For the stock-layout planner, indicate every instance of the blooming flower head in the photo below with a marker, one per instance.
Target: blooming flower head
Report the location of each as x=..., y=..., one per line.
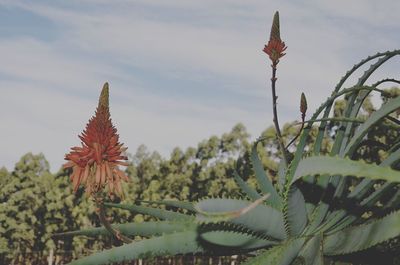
x=275, y=47
x=95, y=163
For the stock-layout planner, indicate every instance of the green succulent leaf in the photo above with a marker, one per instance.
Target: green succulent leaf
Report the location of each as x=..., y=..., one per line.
x=261, y=219
x=318, y=215
x=385, y=57
x=354, y=104
x=394, y=202
x=236, y=239
x=167, y=245
x=265, y=184
x=282, y=254
x=250, y=192
x=327, y=106
x=364, y=236
x=312, y=251
x=282, y=168
x=361, y=190
x=321, y=165
x=296, y=212
x=135, y=229
x=392, y=158
x=228, y=215
x=155, y=212
x=375, y=117
x=177, y=204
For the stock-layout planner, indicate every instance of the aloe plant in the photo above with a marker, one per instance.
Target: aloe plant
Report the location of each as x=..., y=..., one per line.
x=277, y=224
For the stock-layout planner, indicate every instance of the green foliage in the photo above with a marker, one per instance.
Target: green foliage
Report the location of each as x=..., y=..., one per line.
x=23, y=205
x=35, y=204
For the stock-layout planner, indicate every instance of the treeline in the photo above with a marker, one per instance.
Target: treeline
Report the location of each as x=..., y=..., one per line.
x=35, y=204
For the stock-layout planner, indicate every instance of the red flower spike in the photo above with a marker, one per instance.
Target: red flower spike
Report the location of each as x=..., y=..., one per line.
x=95, y=164
x=275, y=47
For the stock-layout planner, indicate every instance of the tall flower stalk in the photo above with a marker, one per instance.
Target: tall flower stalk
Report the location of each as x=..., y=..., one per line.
x=275, y=49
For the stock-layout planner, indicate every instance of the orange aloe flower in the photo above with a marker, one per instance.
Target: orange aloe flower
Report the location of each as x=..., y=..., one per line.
x=275, y=47
x=95, y=164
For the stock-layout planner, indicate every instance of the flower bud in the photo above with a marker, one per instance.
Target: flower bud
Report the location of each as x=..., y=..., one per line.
x=303, y=104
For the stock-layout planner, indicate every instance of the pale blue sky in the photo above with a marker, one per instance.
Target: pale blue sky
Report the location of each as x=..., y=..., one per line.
x=179, y=71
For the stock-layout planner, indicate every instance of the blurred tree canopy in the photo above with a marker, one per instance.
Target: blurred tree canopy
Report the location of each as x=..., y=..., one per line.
x=35, y=204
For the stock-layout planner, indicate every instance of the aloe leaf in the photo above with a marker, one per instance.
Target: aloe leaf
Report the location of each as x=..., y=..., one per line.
x=262, y=219
x=377, y=194
x=134, y=229
x=363, y=187
x=348, y=219
x=311, y=253
x=167, y=245
x=355, y=101
x=358, y=193
x=236, y=240
x=332, y=220
x=320, y=212
x=282, y=169
x=361, y=63
x=250, y=192
x=392, y=158
x=394, y=201
x=364, y=236
x=296, y=212
x=327, y=106
x=282, y=254
x=343, y=167
x=390, y=106
x=265, y=184
x=177, y=204
x=387, y=55
x=386, y=80
x=321, y=165
x=337, y=119
x=317, y=217
x=353, y=106
x=228, y=215
x=155, y=212
x=395, y=147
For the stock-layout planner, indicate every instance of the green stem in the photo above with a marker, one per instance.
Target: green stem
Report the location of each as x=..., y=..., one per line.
x=275, y=113
x=303, y=116
x=104, y=221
